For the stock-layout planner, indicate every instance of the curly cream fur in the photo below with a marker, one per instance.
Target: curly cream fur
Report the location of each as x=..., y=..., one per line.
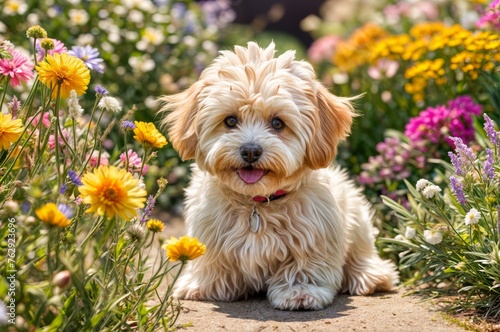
x=312, y=243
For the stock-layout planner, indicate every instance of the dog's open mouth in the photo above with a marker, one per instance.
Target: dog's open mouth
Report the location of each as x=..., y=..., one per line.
x=251, y=175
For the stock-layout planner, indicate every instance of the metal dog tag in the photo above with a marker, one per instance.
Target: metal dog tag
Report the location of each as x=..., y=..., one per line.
x=254, y=220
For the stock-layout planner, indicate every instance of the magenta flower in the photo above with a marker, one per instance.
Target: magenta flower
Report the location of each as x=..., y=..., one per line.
x=491, y=18
x=18, y=69
x=436, y=124
x=52, y=139
x=58, y=48
x=95, y=160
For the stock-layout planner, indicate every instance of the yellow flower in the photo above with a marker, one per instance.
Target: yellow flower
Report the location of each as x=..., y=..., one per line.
x=50, y=214
x=155, y=225
x=112, y=191
x=65, y=70
x=10, y=130
x=148, y=135
x=184, y=249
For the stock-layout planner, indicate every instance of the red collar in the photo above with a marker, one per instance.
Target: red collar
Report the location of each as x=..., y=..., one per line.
x=275, y=196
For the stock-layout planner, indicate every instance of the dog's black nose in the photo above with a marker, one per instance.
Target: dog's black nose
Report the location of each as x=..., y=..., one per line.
x=250, y=152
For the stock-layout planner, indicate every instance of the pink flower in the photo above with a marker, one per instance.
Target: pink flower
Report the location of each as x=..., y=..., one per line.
x=134, y=162
x=323, y=48
x=52, y=140
x=94, y=159
x=36, y=119
x=491, y=17
x=58, y=48
x=385, y=69
x=18, y=69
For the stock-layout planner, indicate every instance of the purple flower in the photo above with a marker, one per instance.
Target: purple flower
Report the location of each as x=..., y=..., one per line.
x=465, y=153
x=90, y=57
x=455, y=160
x=488, y=165
x=63, y=188
x=489, y=127
x=128, y=125
x=150, y=204
x=66, y=210
x=458, y=190
x=74, y=178
x=58, y=48
x=100, y=90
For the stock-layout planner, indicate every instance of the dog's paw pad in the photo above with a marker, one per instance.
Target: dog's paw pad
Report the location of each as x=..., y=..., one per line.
x=301, y=298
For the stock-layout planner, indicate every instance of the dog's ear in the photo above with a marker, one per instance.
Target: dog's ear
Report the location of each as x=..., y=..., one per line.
x=179, y=116
x=333, y=124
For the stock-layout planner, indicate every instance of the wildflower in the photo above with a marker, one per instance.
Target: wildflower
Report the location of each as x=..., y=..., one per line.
x=491, y=17
x=64, y=71
x=433, y=236
x=148, y=135
x=472, y=217
x=488, y=165
x=14, y=105
x=74, y=108
x=50, y=214
x=110, y=104
x=455, y=161
x=18, y=69
x=35, y=119
x=128, y=125
x=183, y=249
x=430, y=191
x=95, y=160
x=74, y=177
x=51, y=143
x=466, y=155
x=421, y=184
x=410, y=232
x=112, y=191
x=134, y=162
x=136, y=232
x=100, y=91
x=36, y=31
x=63, y=188
x=47, y=44
x=49, y=47
x=78, y=16
x=155, y=225
x=489, y=127
x=384, y=69
x=458, y=190
x=150, y=204
x=323, y=48
x=10, y=130
x=90, y=56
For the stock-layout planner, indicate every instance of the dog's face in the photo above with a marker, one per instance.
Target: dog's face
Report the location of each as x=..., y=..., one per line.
x=257, y=122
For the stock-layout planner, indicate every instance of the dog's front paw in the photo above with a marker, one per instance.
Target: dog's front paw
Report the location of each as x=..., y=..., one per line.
x=188, y=293
x=300, y=297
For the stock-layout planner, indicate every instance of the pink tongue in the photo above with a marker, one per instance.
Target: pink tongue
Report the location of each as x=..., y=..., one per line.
x=250, y=175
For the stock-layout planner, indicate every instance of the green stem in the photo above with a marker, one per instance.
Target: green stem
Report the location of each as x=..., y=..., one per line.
x=56, y=135
x=88, y=127
x=7, y=80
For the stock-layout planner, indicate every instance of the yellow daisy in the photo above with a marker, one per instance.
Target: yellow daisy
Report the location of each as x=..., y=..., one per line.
x=65, y=70
x=10, y=130
x=112, y=191
x=155, y=225
x=148, y=135
x=50, y=214
x=184, y=249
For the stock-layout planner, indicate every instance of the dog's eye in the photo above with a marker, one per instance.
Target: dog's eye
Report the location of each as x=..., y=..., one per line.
x=231, y=121
x=277, y=124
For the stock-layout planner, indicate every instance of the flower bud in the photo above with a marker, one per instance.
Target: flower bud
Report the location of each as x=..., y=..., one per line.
x=47, y=44
x=62, y=279
x=36, y=31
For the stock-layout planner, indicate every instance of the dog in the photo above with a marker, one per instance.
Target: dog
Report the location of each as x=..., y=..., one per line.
x=274, y=215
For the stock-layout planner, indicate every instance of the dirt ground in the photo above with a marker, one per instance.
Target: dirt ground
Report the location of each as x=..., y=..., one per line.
x=379, y=312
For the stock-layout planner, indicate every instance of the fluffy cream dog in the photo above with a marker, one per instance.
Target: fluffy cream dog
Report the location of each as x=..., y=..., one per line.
x=273, y=215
